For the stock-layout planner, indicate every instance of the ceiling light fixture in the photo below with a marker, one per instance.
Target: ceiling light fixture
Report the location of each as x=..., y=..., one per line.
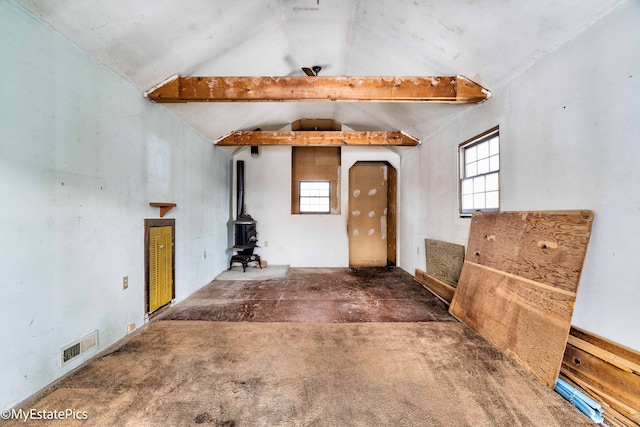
x=313, y=71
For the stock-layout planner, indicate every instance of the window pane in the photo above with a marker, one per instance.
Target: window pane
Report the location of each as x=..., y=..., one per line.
x=491, y=182
x=492, y=200
x=470, y=154
x=471, y=170
x=494, y=146
x=478, y=184
x=467, y=186
x=467, y=202
x=494, y=163
x=483, y=166
x=483, y=150
x=478, y=201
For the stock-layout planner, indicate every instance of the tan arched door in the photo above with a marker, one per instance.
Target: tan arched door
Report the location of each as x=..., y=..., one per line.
x=372, y=214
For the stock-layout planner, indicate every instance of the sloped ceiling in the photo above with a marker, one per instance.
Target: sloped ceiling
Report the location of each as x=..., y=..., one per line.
x=490, y=42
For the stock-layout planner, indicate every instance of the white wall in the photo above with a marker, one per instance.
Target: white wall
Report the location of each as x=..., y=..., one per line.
x=82, y=154
x=299, y=240
x=570, y=139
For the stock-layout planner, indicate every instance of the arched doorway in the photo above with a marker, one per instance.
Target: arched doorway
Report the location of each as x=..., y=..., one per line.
x=372, y=214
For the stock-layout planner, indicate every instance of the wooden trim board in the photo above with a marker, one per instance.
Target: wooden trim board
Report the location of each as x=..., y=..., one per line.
x=613, y=408
x=442, y=290
x=608, y=371
x=518, y=283
x=608, y=345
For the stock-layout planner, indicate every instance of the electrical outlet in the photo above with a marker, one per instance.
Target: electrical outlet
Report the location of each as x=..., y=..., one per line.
x=125, y=282
x=131, y=327
x=266, y=243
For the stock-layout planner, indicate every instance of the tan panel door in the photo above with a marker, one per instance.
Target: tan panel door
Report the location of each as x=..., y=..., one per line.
x=392, y=200
x=160, y=267
x=367, y=223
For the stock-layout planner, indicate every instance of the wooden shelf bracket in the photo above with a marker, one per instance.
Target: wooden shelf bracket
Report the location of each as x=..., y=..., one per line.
x=164, y=207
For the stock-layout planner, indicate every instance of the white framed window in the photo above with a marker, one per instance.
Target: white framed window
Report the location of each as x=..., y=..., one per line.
x=480, y=173
x=311, y=165
x=315, y=196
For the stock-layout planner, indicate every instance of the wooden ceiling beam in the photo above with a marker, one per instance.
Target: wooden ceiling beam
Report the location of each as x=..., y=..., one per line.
x=317, y=138
x=455, y=90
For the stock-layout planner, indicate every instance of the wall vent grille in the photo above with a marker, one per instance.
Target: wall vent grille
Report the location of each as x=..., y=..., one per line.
x=75, y=349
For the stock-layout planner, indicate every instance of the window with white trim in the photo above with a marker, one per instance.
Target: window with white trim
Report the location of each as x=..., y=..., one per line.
x=480, y=173
x=319, y=167
x=315, y=196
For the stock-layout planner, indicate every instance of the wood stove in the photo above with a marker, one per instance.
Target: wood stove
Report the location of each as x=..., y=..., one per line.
x=244, y=228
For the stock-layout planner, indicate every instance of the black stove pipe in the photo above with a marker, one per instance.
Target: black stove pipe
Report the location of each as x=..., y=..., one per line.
x=240, y=188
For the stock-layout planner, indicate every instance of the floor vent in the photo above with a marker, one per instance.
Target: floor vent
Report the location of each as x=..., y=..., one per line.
x=75, y=349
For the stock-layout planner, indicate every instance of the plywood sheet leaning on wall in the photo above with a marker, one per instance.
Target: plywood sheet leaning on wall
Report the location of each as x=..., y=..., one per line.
x=444, y=260
x=444, y=263
x=519, y=281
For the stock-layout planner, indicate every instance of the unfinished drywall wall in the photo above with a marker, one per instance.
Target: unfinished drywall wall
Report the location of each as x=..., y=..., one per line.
x=569, y=137
x=81, y=156
x=303, y=240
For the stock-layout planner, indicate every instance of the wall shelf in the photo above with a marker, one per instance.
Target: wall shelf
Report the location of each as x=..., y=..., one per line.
x=164, y=207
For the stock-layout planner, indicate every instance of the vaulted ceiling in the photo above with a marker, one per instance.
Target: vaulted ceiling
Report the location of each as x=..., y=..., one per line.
x=490, y=42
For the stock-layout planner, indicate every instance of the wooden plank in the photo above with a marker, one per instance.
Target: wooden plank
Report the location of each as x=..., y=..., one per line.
x=318, y=138
x=439, y=288
x=605, y=344
x=449, y=89
x=607, y=356
x=466, y=89
x=616, y=419
x=608, y=371
x=601, y=375
x=530, y=324
x=444, y=261
x=167, y=89
x=547, y=247
x=518, y=283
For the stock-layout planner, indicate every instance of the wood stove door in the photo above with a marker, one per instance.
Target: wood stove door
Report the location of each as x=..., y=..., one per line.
x=368, y=208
